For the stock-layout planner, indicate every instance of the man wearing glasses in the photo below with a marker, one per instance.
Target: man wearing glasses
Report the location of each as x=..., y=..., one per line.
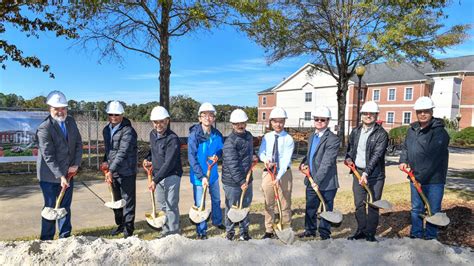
x=323, y=146
x=120, y=140
x=205, y=142
x=425, y=151
x=276, y=149
x=366, y=149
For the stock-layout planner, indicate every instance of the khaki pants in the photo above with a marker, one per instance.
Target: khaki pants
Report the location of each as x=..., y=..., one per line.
x=285, y=188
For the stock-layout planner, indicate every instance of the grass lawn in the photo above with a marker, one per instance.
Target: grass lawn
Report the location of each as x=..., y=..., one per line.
x=395, y=223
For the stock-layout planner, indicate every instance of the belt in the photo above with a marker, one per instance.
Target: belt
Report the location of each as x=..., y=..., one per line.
x=265, y=169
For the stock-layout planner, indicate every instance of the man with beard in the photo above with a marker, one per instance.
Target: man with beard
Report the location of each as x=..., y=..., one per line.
x=60, y=153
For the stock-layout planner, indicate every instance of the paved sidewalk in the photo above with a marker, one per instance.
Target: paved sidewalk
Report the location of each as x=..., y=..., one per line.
x=21, y=206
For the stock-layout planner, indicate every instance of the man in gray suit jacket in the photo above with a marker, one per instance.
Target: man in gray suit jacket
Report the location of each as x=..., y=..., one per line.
x=323, y=146
x=60, y=153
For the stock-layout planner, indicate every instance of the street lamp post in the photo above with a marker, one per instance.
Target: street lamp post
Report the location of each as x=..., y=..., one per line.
x=458, y=118
x=360, y=70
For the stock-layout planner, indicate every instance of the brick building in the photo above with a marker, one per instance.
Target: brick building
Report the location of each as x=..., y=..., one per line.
x=395, y=87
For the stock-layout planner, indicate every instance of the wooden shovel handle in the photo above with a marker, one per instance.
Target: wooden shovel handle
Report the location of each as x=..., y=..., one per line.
x=247, y=179
x=63, y=190
x=417, y=185
x=315, y=186
x=357, y=175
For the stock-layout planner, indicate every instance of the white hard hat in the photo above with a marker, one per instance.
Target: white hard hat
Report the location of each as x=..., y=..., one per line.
x=370, y=107
x=56, y=99
x=424, y=103
x=322, y=111
x=278, y=112
x=115, y=107
x=238, y=116
x=206, y=107
x=159, y=113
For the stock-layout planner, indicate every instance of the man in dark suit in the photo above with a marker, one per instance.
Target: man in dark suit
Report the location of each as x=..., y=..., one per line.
x=323, y=146
x=60, y=153
x=120, y=158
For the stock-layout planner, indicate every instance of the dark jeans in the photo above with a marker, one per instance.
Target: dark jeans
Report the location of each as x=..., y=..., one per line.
x=124, y=187
x=367, y=217
x=232, y=197
x=312, y=204
x=50, y=193
x=434, y=193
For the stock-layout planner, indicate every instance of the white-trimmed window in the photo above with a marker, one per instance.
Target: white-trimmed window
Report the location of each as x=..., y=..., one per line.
x=408, y=94
x=392, y=92
x=307, y=116
x=376, y=95
x=308, y=97
x=264, y=100
x=390, y=117
x=264, y=116
x=406, y=118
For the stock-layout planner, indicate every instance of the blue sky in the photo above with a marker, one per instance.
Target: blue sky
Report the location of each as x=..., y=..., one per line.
x=222, y=67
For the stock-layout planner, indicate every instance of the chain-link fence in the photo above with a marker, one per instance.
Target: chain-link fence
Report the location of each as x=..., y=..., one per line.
x=93, y=143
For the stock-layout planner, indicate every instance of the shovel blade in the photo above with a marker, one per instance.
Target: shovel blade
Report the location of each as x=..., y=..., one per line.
x=333, y=217
x=198, y=216
x=53, y=214
x=236, y=215
x=286, y=235
x=156, y=222
x=115, y=205
x=382, y=204
x=440, y=219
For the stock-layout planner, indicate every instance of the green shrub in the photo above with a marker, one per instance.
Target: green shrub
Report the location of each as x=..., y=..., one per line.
x=465, y=136
x=398, y=134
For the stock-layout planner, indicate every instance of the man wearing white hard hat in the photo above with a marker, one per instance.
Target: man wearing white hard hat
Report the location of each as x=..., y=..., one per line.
x=120, y=140
x=366, y=150
x=323, y=146
x=60, y=153
x=205, y=143
x=165, y=156
x=425, y=152
x=237, y=156
x=276, y=149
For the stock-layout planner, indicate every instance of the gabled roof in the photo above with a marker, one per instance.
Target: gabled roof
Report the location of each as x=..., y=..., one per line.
x=391, y=73
x=266, y=91
x=453, y=64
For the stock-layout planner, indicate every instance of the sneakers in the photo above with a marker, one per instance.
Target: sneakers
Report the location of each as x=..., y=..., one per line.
x=245, y=236
x=358, y=235
x=267, y=235
x=230, y=236
x=117, y=231
x=306, y=234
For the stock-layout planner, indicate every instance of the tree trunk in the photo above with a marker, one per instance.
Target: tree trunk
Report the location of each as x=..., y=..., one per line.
x=165, y=58
x=341, y=109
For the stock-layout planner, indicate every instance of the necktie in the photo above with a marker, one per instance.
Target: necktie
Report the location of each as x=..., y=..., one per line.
x=314, y=147
x=275, y=155
x=63, y=129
